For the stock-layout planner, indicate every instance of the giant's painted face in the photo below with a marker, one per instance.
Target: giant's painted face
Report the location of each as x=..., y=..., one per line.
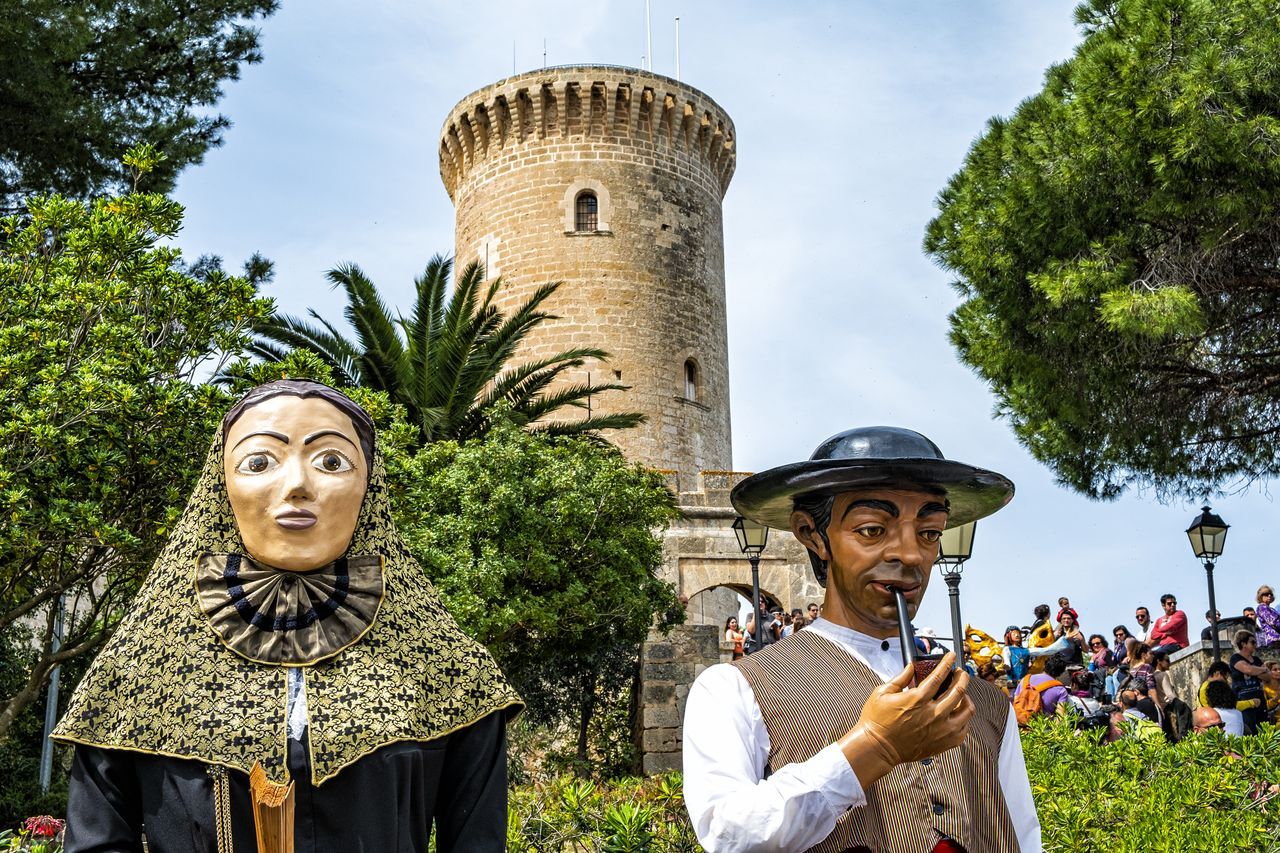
x=878, y=538
x=296, y=477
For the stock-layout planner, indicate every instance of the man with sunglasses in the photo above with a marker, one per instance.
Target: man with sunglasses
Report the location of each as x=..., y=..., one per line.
x=1170, y=631
x=1204, y=719
x=1143, y=617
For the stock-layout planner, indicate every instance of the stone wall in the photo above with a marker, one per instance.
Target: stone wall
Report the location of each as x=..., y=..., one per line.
x=647, y=284
x=1187, y=666
x=669, y=666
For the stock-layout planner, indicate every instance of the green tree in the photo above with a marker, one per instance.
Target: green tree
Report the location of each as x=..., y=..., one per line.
x=1116, y=243
x=545, y=549
x=447, y=363
x=80, y=83
x=102, y=431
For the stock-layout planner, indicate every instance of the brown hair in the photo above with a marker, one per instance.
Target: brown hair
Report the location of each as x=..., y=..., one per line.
x=1261, y=590
x=305, y=388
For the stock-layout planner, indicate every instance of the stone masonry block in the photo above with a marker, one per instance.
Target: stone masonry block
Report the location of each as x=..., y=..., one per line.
x=659, y=651
x=660, y=740
x=661, y=762
x=658, y=693
x=656, y=717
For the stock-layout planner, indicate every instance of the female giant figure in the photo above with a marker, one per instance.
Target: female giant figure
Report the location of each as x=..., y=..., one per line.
x=286, y=625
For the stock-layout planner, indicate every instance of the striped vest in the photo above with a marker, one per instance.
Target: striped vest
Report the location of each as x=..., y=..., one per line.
x=810, y=693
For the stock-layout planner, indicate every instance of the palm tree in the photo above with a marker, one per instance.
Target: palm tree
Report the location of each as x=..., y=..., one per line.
x=447, y=363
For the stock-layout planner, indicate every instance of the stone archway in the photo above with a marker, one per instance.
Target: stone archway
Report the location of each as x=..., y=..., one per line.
x=713, y=605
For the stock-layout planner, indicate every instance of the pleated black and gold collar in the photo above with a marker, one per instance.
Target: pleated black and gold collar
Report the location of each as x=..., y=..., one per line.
x=273, y=616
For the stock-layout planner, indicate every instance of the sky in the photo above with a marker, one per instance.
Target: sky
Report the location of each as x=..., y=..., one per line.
x=850, y=118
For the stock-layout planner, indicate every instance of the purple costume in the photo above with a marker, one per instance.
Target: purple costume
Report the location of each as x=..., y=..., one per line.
x=1268, y=625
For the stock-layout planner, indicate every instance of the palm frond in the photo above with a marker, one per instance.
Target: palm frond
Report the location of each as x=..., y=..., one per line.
x=330, y=346
x=593, y=424
x=382, y=360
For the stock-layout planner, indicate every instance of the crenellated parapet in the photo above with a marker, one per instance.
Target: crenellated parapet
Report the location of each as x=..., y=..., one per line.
x=649, y=114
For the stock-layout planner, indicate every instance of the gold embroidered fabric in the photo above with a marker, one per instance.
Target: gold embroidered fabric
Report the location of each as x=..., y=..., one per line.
x=293, y=618
x=168, y=684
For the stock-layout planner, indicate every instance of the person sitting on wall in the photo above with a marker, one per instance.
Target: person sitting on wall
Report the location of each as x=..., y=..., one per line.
x=819, y=742
x=1169, y=633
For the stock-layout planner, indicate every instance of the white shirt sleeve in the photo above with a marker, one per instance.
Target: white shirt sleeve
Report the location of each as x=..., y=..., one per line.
x=732, y=806
x=1016, y=788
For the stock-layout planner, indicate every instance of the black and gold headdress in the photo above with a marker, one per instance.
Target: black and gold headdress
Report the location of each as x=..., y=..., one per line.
x=188, y=674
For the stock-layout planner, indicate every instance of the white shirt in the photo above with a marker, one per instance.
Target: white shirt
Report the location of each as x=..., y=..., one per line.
x=1233, y=719
x=726, y=748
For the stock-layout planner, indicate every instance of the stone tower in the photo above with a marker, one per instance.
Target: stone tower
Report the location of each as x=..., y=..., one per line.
x=609, y=179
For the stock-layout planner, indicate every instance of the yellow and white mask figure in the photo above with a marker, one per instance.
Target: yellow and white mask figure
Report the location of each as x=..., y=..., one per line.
x=296, y=477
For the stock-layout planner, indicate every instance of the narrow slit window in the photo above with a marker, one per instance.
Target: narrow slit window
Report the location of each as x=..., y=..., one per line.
x=691, y=381
x=587, y=212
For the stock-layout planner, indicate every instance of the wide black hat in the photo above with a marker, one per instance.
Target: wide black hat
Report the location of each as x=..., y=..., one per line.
x=872, y=458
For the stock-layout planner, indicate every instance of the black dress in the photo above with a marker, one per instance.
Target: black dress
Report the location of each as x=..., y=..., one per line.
x=386, y=801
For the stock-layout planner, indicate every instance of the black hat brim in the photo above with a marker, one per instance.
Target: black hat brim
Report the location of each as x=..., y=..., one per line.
x=769, y=497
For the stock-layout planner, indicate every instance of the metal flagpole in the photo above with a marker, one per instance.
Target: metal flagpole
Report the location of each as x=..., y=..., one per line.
x=677, y=48
x=648, y=36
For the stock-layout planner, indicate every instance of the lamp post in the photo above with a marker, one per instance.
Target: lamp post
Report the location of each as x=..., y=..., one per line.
x=955, y=547
x=752, y=537
x=1208, y=535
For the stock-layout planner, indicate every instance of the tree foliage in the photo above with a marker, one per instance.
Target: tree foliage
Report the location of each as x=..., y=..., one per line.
x=80, y=83
x=102, y=431
x=1116, y=242
x=447, y=363
x=545, y=549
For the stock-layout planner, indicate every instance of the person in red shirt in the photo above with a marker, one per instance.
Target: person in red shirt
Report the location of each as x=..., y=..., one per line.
x=1169, y=633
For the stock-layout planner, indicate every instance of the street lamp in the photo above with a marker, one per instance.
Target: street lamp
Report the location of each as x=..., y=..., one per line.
x=1208, y=535
x=752, y=537
x=955, y=547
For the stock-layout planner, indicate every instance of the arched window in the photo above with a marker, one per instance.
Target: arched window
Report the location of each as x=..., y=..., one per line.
x=586, y=212
x=691, y=381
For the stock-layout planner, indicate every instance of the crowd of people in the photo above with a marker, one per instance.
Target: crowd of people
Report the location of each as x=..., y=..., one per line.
x=1051, y=667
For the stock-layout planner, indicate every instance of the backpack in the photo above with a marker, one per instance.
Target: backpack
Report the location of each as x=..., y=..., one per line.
x=1027, y=703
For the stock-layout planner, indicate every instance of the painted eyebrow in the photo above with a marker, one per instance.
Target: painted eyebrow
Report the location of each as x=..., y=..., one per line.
x=267, y=432
x=930, y=509
x=324, y=432
x=883, y=506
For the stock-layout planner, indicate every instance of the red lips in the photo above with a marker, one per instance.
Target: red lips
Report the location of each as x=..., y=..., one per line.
x=296, y=519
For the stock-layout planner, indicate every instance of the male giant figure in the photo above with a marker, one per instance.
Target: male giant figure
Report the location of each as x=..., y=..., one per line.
x=819, y=741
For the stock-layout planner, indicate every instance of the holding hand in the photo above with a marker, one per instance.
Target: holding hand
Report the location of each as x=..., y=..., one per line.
x=898, y=724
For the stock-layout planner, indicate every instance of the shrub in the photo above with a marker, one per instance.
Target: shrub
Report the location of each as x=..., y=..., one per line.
x=1207, y=793
x=626, y=816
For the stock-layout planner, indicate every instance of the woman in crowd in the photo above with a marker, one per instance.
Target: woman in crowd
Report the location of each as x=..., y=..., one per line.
x=1141, y=662
x=1272, y=690
x=1267, y=618
x=1120, y=652
x=1101, y=659
x=733, y=635
x=1247, y=675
